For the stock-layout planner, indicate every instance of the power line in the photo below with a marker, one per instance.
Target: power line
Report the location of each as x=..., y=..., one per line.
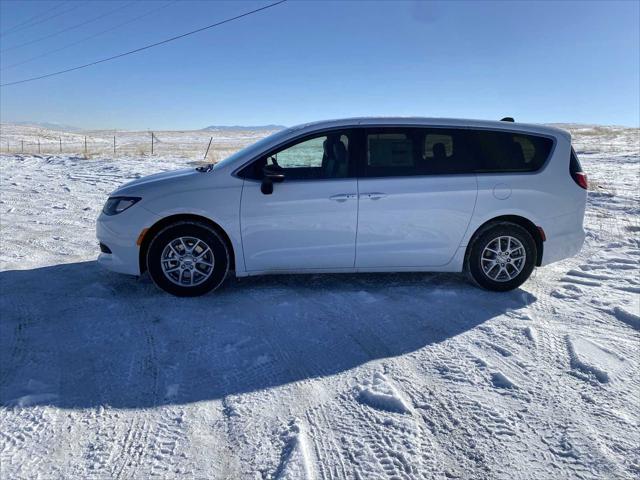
x=73, y=27
x=64, y=47
x=33, y=24
x=146, y=47
x=31, y=19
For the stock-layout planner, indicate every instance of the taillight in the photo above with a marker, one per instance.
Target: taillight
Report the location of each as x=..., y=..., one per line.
x=581, y=179
x=575, y=169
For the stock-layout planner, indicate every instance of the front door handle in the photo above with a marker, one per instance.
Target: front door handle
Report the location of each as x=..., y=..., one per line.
x=342, y=197
x=373, y=195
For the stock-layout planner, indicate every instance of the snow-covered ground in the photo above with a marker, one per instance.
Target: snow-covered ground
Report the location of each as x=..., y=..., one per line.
x=402, y=376
x=191, y=144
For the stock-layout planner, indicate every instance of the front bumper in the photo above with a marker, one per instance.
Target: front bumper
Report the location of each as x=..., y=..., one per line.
x=120, y=233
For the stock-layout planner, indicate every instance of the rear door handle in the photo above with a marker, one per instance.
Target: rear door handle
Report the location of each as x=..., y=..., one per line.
x=342, y=197
x=373, y=195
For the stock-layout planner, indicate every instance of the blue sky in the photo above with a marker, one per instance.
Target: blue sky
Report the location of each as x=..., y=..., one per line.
x=308, y=60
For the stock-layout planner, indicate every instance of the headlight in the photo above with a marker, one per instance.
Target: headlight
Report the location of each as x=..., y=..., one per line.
x=116, y=205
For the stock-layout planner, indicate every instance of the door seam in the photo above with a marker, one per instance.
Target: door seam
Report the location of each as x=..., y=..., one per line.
x=244, y=260
x=355, y=246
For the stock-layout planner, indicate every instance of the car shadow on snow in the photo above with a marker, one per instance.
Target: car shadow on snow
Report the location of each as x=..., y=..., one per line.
x=76, y=336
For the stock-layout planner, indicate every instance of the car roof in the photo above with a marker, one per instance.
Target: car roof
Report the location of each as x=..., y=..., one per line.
x=432, y=122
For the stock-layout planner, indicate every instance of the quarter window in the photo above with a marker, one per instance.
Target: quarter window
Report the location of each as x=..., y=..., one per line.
x=504, y=152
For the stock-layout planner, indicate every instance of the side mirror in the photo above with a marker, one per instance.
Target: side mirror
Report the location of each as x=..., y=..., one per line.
x=271, y=175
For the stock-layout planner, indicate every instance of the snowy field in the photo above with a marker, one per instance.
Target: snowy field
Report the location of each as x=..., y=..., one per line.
x=192, y=144
x=405, y=376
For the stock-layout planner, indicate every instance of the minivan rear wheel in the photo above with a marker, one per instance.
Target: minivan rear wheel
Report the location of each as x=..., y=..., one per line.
x=502, y=257
x=187, y=259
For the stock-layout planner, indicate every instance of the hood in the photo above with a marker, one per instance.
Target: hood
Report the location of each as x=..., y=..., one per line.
x=140, y=185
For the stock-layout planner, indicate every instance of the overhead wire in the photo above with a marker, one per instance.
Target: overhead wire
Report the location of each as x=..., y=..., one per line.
x=90, y=37
x=67, y=29
x=146, y=47
x=31, y=19
x=51, y=17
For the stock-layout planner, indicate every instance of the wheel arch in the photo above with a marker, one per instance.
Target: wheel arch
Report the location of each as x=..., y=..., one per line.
x=166, y=221
x=525, y=223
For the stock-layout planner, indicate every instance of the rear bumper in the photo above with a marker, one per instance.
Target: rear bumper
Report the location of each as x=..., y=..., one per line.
x=565, y=236
x=559, y=247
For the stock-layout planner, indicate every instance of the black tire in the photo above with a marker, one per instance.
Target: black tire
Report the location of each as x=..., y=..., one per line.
x=485, y=237
x=194, y=230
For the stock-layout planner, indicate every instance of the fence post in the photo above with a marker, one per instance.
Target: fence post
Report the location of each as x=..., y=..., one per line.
x=114, y=145
x=85, y=146
x=60, y=144
x=151, y=143
x=38, y=146
x=208, y=146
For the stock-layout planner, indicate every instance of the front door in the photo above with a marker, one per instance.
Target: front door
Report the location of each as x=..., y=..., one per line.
x=309, y=220
x=417, y=194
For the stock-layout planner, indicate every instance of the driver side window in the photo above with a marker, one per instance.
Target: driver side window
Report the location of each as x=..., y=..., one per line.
x=325, y=156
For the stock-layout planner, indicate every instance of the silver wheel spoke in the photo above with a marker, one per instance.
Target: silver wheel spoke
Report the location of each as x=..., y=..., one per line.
x=207, y=250
x=174, y=251
x=494, y=255
x=183, y=266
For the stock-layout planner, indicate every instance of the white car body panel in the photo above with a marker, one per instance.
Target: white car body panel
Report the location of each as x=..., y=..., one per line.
x=299, y=226
x=421, y=223
x=413, y=221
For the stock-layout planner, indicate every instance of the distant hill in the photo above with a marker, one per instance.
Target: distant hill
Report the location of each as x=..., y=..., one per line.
x=222, y=128
x=50, y=126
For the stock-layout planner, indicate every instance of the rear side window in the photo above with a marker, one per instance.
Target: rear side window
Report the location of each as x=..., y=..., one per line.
x=446, y=152
x=503, y=152
x=414, y=151
x=390, y=154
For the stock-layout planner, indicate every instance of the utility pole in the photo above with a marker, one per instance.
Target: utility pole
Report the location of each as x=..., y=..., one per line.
x=38, y=146
x=85, y=146
x=114, y=145
x=207, y=152
x=60, y=144
x=151, y=143
x=22, y=146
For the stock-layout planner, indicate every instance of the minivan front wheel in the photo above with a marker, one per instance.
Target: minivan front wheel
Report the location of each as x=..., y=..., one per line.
x=187, y=259
x=502, y=257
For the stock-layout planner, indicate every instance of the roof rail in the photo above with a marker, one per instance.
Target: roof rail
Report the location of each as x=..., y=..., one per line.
x=507, y=119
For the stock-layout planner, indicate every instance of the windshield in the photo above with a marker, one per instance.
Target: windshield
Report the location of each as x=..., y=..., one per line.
x=254, y=148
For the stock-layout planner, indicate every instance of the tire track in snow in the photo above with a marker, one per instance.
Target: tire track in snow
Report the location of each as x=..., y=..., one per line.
x=330, y=462
x=26, y=440
x=18, y=351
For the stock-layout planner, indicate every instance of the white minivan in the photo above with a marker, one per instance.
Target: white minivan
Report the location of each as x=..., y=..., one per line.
x=494, y=199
